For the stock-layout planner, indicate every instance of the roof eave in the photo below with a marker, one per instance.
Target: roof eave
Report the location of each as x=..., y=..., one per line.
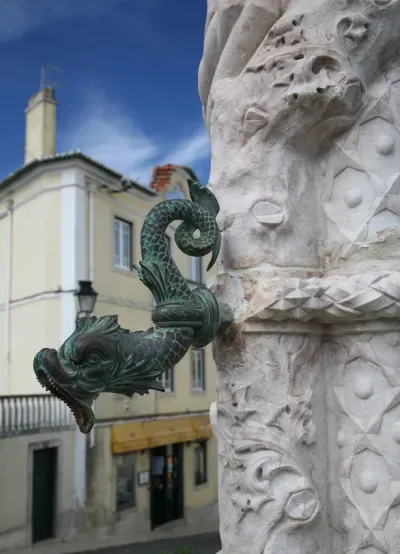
x=10, y=179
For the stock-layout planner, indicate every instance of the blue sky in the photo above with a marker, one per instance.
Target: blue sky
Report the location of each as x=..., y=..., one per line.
x=130, y=98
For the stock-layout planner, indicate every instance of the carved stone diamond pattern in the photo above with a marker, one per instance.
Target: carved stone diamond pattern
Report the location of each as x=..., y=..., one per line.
x=364, y=297
x=369, y=165
x=368, y=398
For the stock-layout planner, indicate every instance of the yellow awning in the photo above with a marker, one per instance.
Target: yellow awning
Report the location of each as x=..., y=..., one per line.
x=168, y=431
x=129, y=437
x=202, y=427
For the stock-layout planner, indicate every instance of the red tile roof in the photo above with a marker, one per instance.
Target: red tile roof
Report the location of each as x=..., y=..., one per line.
x=162, y=174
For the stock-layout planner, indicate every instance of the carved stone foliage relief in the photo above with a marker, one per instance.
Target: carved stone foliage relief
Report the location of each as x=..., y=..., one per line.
x=263, y=422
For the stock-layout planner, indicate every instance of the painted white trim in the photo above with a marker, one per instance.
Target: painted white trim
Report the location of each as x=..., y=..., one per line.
x=92, y=190
x=112, y=201
x=123, y=223
x=38, y=194
x=26, y=180
x=73, y=268
x=5, y=381
x=72, y=207
x=60, y=165
x=21, y=183
x=194, y=263
x=102, y=178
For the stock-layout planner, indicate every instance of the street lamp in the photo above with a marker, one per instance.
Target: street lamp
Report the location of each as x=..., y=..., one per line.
x=86, y=298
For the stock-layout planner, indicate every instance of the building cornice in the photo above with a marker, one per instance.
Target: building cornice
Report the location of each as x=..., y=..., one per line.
x=60, y=162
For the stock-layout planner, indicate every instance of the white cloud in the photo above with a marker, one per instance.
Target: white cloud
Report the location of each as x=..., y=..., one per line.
x=20, y=16
x=106, y=132
x=191, y=150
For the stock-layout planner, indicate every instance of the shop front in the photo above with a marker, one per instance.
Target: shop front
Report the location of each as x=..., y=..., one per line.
x=162, y=443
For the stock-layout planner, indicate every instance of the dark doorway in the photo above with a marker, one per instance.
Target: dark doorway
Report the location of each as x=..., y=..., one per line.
x=44, y=494
x=166, y=484
x=178, y=481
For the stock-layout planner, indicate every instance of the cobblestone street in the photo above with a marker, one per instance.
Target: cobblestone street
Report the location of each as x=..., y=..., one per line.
x=203, y=544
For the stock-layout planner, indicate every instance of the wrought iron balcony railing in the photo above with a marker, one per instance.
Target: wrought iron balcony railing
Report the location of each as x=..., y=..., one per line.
x=32, y=413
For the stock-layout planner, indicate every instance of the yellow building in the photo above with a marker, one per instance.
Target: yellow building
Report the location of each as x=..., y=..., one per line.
x=150, y=459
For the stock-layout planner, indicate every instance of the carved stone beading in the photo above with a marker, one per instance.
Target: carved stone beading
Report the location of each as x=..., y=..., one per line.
x=362, y=297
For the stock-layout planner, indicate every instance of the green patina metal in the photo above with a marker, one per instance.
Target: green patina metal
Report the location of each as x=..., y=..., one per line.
x=100, y=356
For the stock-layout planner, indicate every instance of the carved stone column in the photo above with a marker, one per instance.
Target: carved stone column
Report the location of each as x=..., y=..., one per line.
x=302, y=103
x=267, y=440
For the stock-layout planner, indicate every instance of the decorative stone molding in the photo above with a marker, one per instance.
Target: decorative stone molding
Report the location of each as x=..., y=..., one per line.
x=329, y=300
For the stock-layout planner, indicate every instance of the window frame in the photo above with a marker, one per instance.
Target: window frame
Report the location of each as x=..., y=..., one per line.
x=196, y=270
x=197, y=355
x=119, y=264
x=171, y=379
x=168, y=240
x=126, y=462
x=200, y=449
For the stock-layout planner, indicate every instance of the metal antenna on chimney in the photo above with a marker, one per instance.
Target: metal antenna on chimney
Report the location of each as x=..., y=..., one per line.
x=45, y=81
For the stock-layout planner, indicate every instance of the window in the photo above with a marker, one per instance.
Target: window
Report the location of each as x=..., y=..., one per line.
x=198, y=370
x=167, y=380
x=196, y=270
x=168, y=241
x=200, y=463
x=122, y=243
x=126, y=494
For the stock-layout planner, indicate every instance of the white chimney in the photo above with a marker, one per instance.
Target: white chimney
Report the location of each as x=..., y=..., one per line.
x=41, y=126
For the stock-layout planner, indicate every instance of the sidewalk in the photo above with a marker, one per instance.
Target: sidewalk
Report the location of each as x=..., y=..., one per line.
x=170, y=534
x=200, y=544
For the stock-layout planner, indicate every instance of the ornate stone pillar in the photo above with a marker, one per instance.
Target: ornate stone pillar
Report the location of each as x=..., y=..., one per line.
x=363, y=396
x=267, y=439
x=302, y=103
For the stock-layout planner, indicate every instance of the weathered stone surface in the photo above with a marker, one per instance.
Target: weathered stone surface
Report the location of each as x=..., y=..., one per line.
x=302, y=110
x=301, y=99
x=262, y=420
x=363, y=395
